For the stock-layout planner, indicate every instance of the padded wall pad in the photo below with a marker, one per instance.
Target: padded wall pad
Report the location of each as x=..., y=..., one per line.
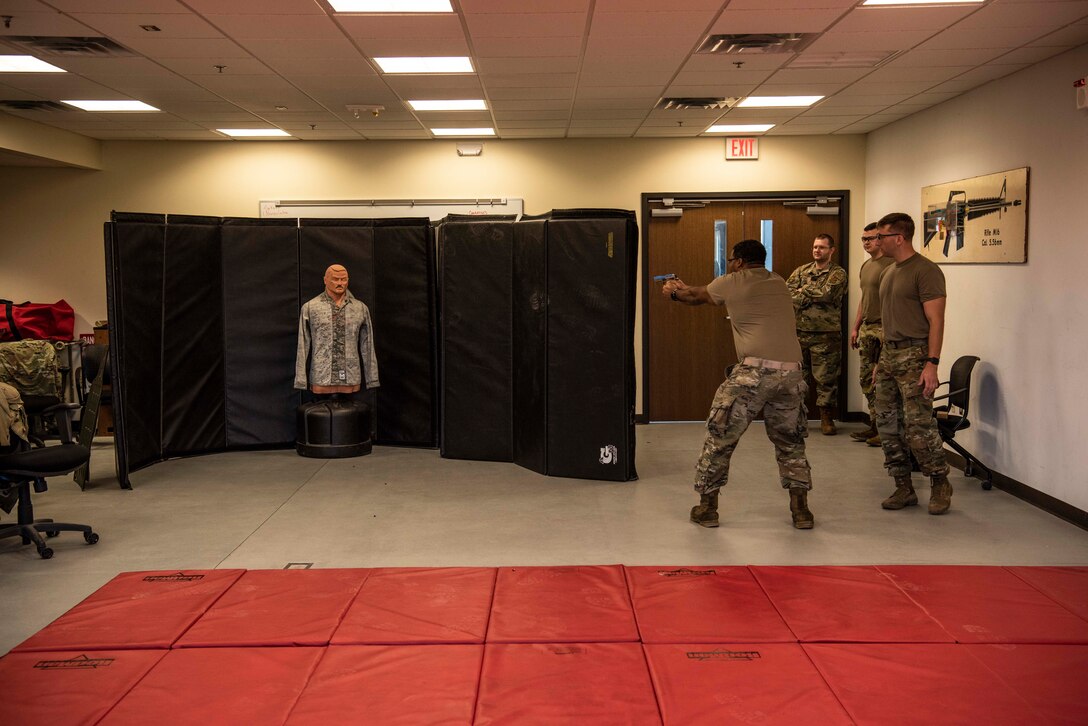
x=846, y=604
x=193, y=413
x=1049, y=677
x=530, y=332
x=406, y=332
x=260, y=316
x=911, y=683
x=420, y=605
x=136, y=277
x=740, y=684
x=979, y=604
x=219, y=686
x=475, y=287
x=347, y=242
x=703, y=605
x=590, y=347
x=575, y=683
x=1066, y=585
x=561, y=605
x=135, y=610
x=405, y=684
x=277, y=607
x=69, y=688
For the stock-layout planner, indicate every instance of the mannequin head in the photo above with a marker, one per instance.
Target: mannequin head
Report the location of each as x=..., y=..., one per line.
x=336, y=282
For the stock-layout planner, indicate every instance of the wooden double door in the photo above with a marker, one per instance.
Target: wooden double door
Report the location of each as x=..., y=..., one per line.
x=689, y=348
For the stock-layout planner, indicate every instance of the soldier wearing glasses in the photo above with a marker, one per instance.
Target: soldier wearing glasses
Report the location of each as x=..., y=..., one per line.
x=867, y=334
x=912, y=304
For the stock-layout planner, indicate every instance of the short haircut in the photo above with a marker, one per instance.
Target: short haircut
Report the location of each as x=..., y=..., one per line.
x=900, y=222
x=827, y=238
x=871, y=226
x=750, y=251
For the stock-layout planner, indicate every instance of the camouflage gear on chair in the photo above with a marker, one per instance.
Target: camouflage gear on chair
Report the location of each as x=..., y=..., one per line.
x=898, y=395
x=30, y=366
x=870, y=340
x=821, y=357
x=817, y=297
x=12, y=416
x=748, y=391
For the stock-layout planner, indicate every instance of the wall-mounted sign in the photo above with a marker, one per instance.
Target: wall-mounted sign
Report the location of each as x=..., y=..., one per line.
x=741, y=147
x=982, y=219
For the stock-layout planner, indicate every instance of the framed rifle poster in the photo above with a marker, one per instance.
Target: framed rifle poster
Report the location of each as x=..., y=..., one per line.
x=981, y=219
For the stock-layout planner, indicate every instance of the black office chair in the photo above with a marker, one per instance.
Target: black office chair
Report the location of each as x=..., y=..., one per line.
x=48, y=383
x=94, y=357
x=21, y=470
x=952, y=417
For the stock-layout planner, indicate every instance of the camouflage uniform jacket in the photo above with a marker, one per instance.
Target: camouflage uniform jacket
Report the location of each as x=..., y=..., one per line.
x=12, y=416
x=338, y=342
x=817, y=297
x=30, y=366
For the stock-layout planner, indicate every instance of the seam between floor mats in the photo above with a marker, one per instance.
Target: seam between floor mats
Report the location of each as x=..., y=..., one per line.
x=483, y=645
x=827, y=683
x=921, y=607
x=132, y=687
x=1035, y=587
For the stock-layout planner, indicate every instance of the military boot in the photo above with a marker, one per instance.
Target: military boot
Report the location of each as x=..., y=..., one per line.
x=865, y=435
x=802, y=518
x=874, y=441
x=940, y=495
x=903, y=496
x=827, y=426
x=705, y=513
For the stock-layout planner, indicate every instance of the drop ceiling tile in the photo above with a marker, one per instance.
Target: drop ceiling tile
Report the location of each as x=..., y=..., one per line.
x=128, y=134
x=604, y=114
x=922, y=58
x=527, y=94
x=985, y=74
x=526, y=47
x=807, y=120
x=708, y=90
x=885, y=40
x=107, y=67
x=346, y=70
x=657, y=132
x=648, y=94
x=882, y=19
x=538, y=115
x=990, y=38
x=788, y=4
x=369, y=127
x=125, y=26
x=428, y=86
x=795, y=130
x=222, y=120
x=770, y=88
x=207, y=66
x=612, y=104
x=243, y=27
x=533, y=133
x=529, y=80
x=329, y=124
x=397, y=134
x=505, y=126
x=529, y=104
x=758, y=116
x=327, y=135
x=818, y=75
x=456, y=119
x=933, y=74
x=618, y=6
x=268, y=7
x=576, y=133
x=178, y=135
x=301, y=48
x=888, y=88
x=593, y=80
x=58, y=86
x=805, y=20
x=300, y=119
x=185, y=47
x=1069, y=37
x=859, y=110
x=526, y=25
x=1027, y=54
x=720, y=62
x=729, y=76
x=694, y=123
x=119, y=6
x=404, y=47
x=1052, y=16
x=688, y=27
x=628, y=125
x=42, y=23
x=560, y=64
x=402, y=26
x=533, y=6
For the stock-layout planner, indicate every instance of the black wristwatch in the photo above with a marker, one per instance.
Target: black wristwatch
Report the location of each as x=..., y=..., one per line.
x=934, y=360
x=673, y=296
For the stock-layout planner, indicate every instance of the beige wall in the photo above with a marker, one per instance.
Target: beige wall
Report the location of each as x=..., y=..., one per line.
x=51, y=219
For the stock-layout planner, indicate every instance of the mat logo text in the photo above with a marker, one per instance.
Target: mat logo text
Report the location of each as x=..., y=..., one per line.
x=724, y=654
x=178, y=577
x=610, y=455
x=80, y=661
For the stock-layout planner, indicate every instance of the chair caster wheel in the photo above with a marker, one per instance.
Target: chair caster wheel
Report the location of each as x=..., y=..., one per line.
x=987, y=485
x=91, y=537
x=45, y=553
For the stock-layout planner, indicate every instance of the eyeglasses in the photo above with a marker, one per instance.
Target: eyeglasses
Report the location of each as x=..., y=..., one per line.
x=867, y=239
x=889, y=234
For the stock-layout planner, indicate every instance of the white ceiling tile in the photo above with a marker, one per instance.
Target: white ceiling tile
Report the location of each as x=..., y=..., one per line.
x=1069, y=37
x=565, y=64
x=427, y=86
x=883, y=19
x=687, y=27
x=863, y=88
x=345, y=70
x=751, y=116
x=42, y=23
x=922, y=58
x=818, y=75
x=153, y=47
x=710, y=62
x=638, y=93
x=604, y=114
x=708, y=90
x=769, y=88
x=529, y=104
x=591, y=80
x=859, y=109
x=192, y=67
x=619, y=132
x=248, y=7
x=119, y=6
x=620, y=6
x=808, y=120
x=402, y=26
x=991, y=38
x=651, y=131
x=242, y=27
x=99, y=67
x=397, y=134
x=124, y=26
x=529, y=80
x=1052, y=16
x=526, y=25
x=627, y=125
x=301, y=48
x=1027, y=54
x=612, y=104
x=538, y=115
x=505, y=126
x=885, y=40
x=789, y=4
x=985, y=74
x=805, y=20
x=320, y=134
x=533, y=133
x=368, y=127
x=58, y=86
x=530, y=6
x=405, y=47
x=804, y=130
x=529, y=94
x=673, y=115
x=933, y=74
x=730, y=77
x=526, y=47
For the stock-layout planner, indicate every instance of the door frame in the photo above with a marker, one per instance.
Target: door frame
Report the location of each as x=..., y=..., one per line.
x=644, y=284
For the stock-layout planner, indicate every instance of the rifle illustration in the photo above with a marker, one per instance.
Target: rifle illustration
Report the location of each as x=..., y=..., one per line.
x=944, y=222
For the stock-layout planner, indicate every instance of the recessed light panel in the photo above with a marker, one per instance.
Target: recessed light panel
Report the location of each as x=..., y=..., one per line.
x=391, y=6
x=26, y=64
x=778, y=101
x=254, y=133
x=739, y=128
x=113, y=106
x=471, y=104
x=464, y=132
x=427, y=64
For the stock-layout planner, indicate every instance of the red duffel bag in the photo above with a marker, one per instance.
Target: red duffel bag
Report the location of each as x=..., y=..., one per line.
x=36, y=321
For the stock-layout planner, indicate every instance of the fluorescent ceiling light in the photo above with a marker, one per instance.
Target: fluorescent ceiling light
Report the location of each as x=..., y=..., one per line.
x=111, y=105
x=777, y=101
x=471, y=104
x=427, y=64
x=922, y=2
x=464, y=132
x=253, y=132
x=739, y=128
x=26, y=64
x=391, y=6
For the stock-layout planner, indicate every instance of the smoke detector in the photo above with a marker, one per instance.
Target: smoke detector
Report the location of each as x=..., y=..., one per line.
x=755, y=43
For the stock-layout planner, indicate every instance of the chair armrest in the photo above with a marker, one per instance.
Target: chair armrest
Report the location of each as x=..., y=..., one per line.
x=950, y=393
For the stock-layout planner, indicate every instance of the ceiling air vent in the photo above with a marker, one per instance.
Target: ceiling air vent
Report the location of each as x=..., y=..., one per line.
x=679, y=104
x=68, y=47
x=21, y=105
x=755, y=43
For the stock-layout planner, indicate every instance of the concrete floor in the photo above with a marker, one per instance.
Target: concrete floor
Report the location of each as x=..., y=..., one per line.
x=409, y=507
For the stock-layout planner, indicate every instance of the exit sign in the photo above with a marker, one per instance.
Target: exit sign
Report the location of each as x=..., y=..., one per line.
x=739, y=147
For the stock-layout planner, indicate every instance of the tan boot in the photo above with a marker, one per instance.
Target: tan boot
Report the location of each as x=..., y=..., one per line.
x=940, y=495
x=903, y=496
x=865, y=435
x=802, y=518
x=827, y=426
x=705, y=513
x=874, y=441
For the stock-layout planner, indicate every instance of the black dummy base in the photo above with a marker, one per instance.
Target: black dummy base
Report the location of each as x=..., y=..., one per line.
x=337, y=428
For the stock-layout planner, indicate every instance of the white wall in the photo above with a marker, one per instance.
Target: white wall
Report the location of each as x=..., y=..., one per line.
x=51, y=219
x=1026, y=322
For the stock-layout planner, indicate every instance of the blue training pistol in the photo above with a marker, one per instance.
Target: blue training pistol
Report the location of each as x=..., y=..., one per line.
x=662, y=278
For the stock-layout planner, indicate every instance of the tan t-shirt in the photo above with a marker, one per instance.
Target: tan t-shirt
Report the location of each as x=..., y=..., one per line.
x=761, y=311
x=903, y=289
x=872, y=271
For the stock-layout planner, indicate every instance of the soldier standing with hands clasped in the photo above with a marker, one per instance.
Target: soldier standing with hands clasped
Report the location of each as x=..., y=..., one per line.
x=868, y=335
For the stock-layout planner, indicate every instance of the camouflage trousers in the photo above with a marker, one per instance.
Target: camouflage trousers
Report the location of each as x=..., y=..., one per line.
x=904, y=416
x=821, y=356
x=747, y=392
x=870, y=338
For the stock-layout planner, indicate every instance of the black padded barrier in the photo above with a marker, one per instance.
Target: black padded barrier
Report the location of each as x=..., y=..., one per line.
x=530, y=329
x=475, y=282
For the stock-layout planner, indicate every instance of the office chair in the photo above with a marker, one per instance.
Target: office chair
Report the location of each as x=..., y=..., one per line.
x=21, y=470
x=952, y=417
x=31, y=366
x=94, y=357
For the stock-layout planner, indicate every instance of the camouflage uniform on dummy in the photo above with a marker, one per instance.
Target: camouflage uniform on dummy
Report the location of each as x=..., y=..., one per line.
x=817, y=299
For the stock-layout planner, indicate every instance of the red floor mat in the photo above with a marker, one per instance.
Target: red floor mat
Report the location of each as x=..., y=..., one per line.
x=135, y=610
x=576, y=683
x=392, y=684
x=703, y=605
x=420, y=605
x=763, y=683
x=988, y=605
x=561, y=605
x=846, y=605
x=1049, y=677
x=894, y=684
x=277, y=607
x=68, y=688
x=1066, y=585
x=212, y=686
